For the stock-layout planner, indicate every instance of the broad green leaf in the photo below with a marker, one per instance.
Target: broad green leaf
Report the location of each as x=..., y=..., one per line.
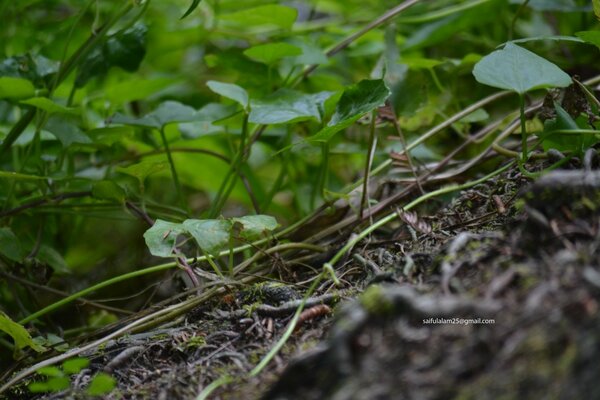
x=10, y=245
x=231, y=91
x=191, y=8
x=254, y=226
x=167, y=112
x=66, y=131
x=135, y=89
x=271, y=52
x=108, y=190
x=562, y=141
x=517, y=69
x=144, y=169
x=592, y=37
x=596, y=5
x=356, y=101
x=211, y=235
x=125, y=49
x=49, y=256
x=44, y=103
x=19, y=334
x=267, y=16
x=161, y=238
x=286, y=106
x=15, y=88
x=75, y=365
x=101, y=384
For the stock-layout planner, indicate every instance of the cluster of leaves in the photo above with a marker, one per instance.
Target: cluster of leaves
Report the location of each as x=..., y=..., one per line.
x=57, y=379
x=224, y=113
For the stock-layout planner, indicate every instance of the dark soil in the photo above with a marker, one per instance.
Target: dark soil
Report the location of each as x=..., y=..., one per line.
x=494, y=296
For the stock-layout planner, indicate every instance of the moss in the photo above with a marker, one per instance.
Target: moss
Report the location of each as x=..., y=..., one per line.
x=375, y=301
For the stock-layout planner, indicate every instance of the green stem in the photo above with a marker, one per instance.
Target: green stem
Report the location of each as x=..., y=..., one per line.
x=173, y=170
x=523, y=128
x=368, y=162
x=394, y=215
x=229, y=182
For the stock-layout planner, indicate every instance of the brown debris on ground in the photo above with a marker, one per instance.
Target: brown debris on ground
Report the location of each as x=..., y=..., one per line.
x=494, y=295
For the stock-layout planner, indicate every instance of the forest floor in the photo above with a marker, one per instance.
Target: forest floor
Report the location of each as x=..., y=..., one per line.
x=494, y=295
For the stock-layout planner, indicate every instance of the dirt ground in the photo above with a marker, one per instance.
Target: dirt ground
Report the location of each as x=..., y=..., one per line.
x=493, y=296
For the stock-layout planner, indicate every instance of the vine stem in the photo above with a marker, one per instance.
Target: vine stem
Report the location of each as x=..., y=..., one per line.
x=163, y=136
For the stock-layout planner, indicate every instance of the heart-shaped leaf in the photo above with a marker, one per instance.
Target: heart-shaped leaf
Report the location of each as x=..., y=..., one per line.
x=167, y=112
x=254, y=226
x=144, y=169
x=211, y=235
x=286, y=106
x=517, y=69
x=231, y=91
x=271, y=52
x=356, y=101
x=161, y=238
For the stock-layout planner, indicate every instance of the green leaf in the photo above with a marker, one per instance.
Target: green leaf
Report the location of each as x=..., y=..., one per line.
x=51, y=371
x=37, y=69
x=10, y=245
x=101, y=384
x=254, y=226
x=592, y=37
x=596, y=5
x=231, y=91
x=55, y=384
x=44, y=103
x=19, y=334
x=15, y=88
x=167, y=112
x=561, y=141
x=517, y=69
x=192, y=7
x=135, y=89
x=211, y=235
x=49, y=256
x=66, y=131
x=287, y=106
x=271, y=52
x=144, y=169
x=161, y=238
x=108, y=190
x=124, y=49
x=75, y=365
x=268, y=16
x=356, y=101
